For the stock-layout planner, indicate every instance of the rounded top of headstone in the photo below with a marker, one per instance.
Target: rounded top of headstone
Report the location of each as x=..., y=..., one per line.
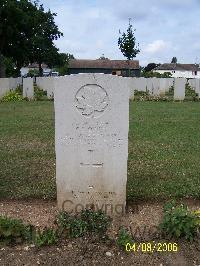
x=91, y=100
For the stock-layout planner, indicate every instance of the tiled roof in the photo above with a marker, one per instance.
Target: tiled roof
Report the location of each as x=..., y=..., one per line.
x=181, y=67
x=105, y=64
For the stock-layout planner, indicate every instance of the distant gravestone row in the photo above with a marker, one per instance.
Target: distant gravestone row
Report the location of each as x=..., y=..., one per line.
x=9, y=84
x=155, y=87
x=158, y=87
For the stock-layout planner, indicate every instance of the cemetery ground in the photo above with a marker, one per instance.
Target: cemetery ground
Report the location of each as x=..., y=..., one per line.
x=163, y=163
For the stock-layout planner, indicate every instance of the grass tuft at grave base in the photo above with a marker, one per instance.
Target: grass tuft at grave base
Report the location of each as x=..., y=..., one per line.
x=164, y=150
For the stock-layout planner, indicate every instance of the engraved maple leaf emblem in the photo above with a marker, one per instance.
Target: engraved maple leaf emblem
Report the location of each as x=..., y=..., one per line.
x=91, y=99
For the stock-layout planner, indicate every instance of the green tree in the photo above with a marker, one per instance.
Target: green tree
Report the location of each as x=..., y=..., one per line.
x=150, y=67
x=63, y=63
x=27, y=33
x=127, y=43
x=10, y=67
x=15, y=31
x=174, y=60
x=102, y=57
x=45, y=31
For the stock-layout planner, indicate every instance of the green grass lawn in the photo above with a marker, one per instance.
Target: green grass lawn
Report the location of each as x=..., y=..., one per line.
x=164, y=150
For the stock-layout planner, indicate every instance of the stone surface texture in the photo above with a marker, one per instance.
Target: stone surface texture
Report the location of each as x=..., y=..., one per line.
x=28, y=90
x=179, y=89
x=4, y=86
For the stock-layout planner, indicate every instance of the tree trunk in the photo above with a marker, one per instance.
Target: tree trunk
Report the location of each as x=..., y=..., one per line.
x=40, y=70
x=19, y=66
x=2, y=67
x=129, y=70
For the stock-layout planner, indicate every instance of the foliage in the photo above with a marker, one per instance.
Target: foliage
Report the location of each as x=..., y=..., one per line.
x=150, y=67
x=19, y=89
x=10, y=67
x=141, y=93
x=179, y=221
x=39, y=94
x=11, y=96
x=152, y=74
x=190, y=93
x=33, y=73
x=27, y=33
x=75, y=227
x=97, y=222
x=48, y=236
x=44, y=32
x=63, y=63
x=14, y=231
x=87, y=221
x=174, y=60
x=127, y=43
x=124, y=237
x=102, y=57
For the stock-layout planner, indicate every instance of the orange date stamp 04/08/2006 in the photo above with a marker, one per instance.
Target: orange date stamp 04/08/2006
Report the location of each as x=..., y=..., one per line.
x=151, y=247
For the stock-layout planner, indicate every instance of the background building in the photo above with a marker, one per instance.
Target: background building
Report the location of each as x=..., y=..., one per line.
x=179, y=70
x=114, y=67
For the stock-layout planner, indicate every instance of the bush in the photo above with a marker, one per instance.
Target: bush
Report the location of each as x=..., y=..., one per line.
x=39, y=94
x=14, y=231
x=19, y=89
x=48, y=236
x=124, y=237
x=179, y=221
x=87, y=221
x=73, y=226
x=97, y=222
x=12, y=96
x=190, y=93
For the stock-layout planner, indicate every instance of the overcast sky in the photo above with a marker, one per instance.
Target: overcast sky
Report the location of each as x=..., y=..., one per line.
x=164, y=28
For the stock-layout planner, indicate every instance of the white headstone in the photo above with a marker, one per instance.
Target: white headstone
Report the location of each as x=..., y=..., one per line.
x=162, y=86
x=155, y=85
x=4, y=86
x=197, y=86
x=179, y=89
x=12, y=83
x=28, y=90
x=132, y=87
x=19, y=81
x=141, y=84
x=49, y=86
x=46, y=84
x=149, y=85
x=170, y=83
x=91, y=135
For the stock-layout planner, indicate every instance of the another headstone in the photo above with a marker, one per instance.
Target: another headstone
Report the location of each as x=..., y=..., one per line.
x=155, y=85
x=12, y=83
x=179, y=89
x=91, y=135
x=162, y=86
x=142, y=84
x=49, y=86
x=4, y=86
x=197, y=90
x=149, y=86
x=28, y=90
